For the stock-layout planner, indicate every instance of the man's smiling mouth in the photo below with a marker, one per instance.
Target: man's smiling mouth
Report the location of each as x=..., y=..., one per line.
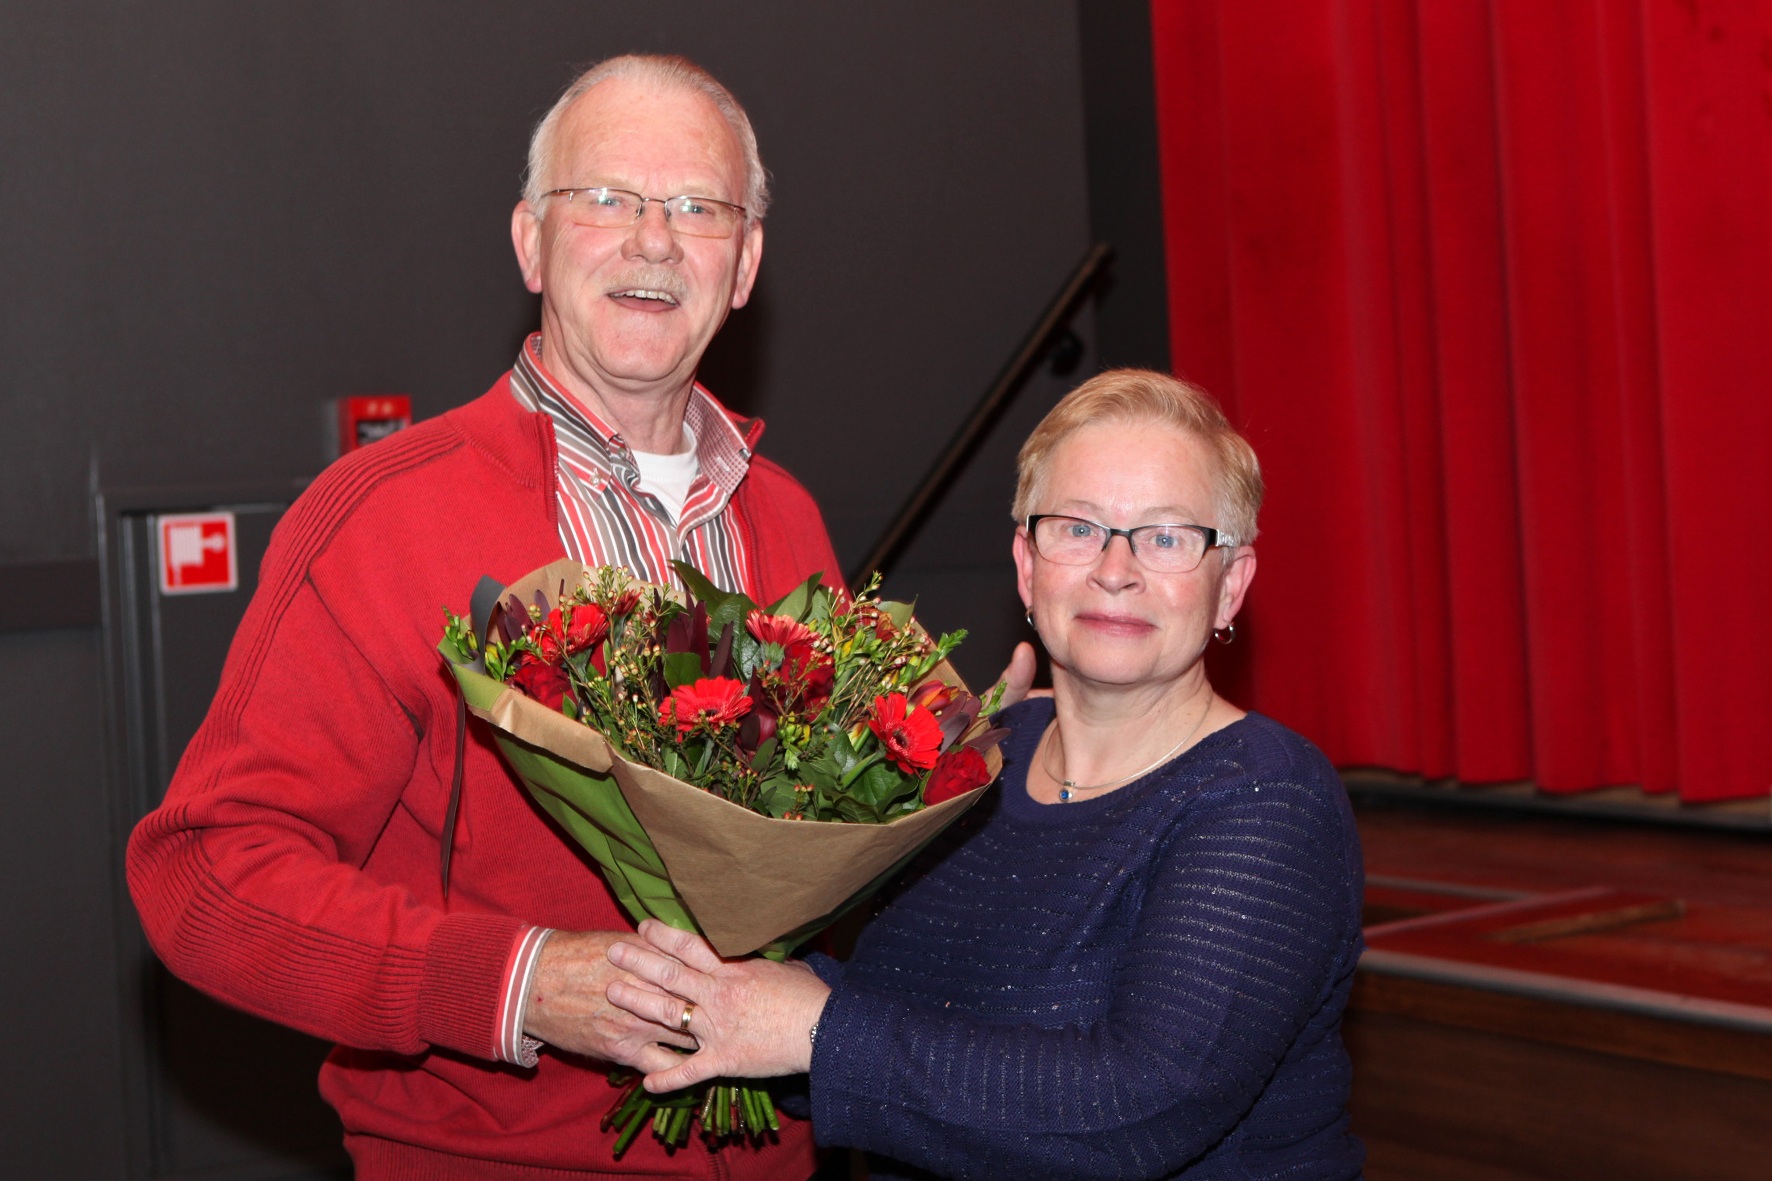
x=645, y=298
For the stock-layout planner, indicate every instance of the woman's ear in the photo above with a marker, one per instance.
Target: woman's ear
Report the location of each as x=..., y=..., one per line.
x=1024, y=566
x=1235, y=584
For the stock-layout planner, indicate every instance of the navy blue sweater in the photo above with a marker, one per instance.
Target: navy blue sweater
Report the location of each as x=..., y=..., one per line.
x=1144, y=984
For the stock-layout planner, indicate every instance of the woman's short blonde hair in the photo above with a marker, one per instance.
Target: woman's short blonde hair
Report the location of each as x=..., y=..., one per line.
x=1143, y=396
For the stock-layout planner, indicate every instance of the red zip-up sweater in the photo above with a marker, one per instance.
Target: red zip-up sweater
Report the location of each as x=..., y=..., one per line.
x=292, y=869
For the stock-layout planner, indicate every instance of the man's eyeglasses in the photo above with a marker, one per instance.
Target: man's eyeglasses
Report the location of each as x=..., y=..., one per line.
x=1162, y=549
x=615, y=209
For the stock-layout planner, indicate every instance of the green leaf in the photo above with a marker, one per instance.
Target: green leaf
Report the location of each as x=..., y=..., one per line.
x=794, y=603
x=824, y=769
x=777, y=796
x=877, y=786
x=824, y=599
x=458, y=639
x=898, y=613
x=856, y=811
x=681, y=668
x=697, y=583
x=499, y=659
x=723, y=606
x=748, y=653
x=836, y=760
x=765, y=752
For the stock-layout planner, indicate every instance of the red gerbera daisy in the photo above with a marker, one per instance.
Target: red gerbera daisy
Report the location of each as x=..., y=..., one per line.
x=549, y=637
x=912, y=738
x=779, y=629
x=587, y=625
x=711, y=701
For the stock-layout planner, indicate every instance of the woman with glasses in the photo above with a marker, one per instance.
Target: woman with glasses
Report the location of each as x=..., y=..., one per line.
x=1129, y=961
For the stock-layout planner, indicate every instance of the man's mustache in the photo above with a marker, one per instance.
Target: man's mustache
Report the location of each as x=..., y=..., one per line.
x=662, y=279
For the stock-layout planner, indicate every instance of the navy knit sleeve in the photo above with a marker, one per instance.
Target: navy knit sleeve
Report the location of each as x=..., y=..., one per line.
x=825, y=968
x=1243, y=943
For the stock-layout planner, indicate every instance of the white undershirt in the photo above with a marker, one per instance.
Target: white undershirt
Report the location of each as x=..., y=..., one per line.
x=668, y=477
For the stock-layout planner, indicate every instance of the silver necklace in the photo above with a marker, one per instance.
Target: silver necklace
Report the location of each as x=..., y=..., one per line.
x=1067, y=788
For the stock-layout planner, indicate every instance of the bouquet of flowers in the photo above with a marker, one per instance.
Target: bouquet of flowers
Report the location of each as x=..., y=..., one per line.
x=749, y=773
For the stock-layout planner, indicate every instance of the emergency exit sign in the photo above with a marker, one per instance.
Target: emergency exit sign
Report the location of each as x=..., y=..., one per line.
x=198, y=553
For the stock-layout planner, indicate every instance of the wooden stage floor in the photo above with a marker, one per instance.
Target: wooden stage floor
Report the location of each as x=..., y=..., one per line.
x=1559, y=997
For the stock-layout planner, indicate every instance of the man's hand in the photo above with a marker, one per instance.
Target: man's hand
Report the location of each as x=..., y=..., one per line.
x=1018, y=678
x=569, y=1007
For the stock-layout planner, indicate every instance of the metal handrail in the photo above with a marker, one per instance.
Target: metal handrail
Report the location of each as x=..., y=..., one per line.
x=916, y=507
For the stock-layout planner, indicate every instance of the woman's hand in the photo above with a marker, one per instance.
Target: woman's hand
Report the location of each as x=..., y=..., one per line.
x=752, y=1018
x=1018, y=677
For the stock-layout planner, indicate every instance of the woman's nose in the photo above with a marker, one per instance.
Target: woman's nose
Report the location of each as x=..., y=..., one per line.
x=1117, y=564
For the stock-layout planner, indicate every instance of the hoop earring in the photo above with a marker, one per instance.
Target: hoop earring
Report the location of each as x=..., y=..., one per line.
x=1029, y=616
x=1226, y=634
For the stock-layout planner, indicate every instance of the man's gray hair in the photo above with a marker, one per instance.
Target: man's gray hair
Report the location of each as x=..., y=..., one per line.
x=663, y=70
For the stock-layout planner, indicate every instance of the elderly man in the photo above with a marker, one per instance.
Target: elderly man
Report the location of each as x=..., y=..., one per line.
x=293, y=869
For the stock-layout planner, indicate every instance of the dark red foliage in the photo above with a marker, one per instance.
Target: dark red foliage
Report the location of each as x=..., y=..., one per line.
x=758, y=727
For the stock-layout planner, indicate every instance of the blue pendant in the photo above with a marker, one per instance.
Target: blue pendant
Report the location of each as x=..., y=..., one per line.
x=1064, y=794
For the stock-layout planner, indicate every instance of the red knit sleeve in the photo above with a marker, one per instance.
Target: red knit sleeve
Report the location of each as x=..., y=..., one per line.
x=255, y=878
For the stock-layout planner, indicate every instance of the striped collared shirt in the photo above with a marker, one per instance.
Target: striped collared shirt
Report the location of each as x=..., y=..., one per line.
x=605, y=518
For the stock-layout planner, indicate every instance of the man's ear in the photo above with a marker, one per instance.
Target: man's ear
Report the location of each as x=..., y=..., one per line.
x=750, y=253
x=526, y=241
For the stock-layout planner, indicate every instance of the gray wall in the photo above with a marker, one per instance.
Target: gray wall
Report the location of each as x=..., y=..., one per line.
x=214, y=217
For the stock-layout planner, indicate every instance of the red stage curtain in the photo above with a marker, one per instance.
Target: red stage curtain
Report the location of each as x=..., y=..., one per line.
x=1489, y=284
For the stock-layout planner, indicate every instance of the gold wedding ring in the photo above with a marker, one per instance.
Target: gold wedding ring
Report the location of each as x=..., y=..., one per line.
x=688, y=1013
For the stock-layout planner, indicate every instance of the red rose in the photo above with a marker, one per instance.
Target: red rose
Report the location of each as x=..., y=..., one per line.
x=625, y=602
x=713, y=701
x=545, y=682
x=912, y=739
x=958, y=772
x=587, y=625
